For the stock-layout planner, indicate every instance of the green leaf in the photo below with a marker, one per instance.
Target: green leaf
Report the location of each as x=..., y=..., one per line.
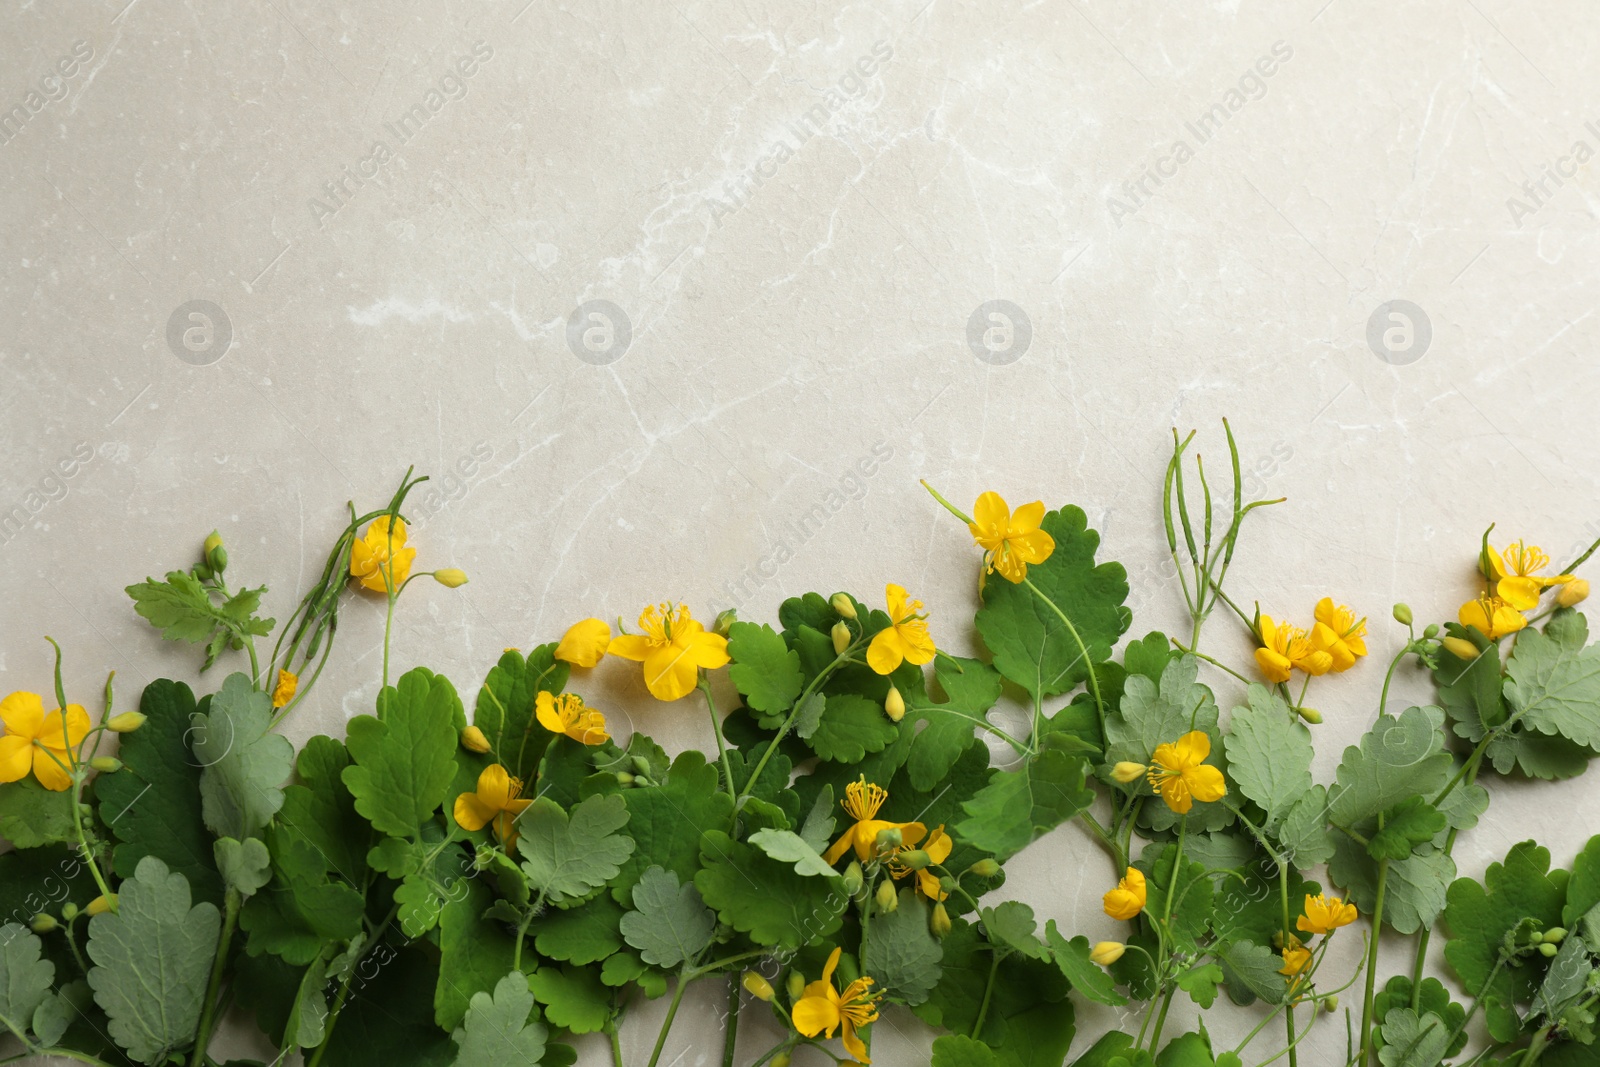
x=1433, y=998
x=764, y=898
x=245, y=865
x=32, y=816
x=1192, y=891
x=1410, y=1040
x=388, y=1018
x=44, y=879
x=474, y=952
x=971, y=689
x=505, y=710
x=1016, y=806
x=152, y=805
x=1414, y=892
x=1089, y=978
x=301, y=908
x=1186, y=1050
x=786, y=846
x=1583, y=889
x=850, y=727
x=1249, y=967
x=152, y=959
x=670, y=924
x=666, y=821
x=404, y=758
x=765, y=670
x=957, y=1050
x=1152, y=715
x=56, y=1012
x=1269, y=753
x=1566, y=980
x=568, y=858
x=25, y=976
x=1030, y=643
x=182, y=609
x=321, y=810
x=245, y=765
x=1200, y=981
x=817, y=831
x=901, y=953
x=573, y=997
x=1399, y=758
x=1303, y=836
x=1480, y=917
x=1011, y=925
x=584, y=934
x=1553, y=683
x=1406, y=826
x=501, y=1028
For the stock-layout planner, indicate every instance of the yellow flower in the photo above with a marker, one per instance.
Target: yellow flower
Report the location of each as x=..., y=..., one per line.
x=498, y=800
x=39, y=742
x=370, y=556
x=1105, y=953
x=1515, y=575
x=823, y=1009
x=1127, y=900
x=1010, y=541
x=1180, y=774
x=584, y=643
x=288, y=682
x=862, y=800
x=1492, y=616
x=1126, y=771
x=672, y=648
x=1295, y=960
x=1325, y=914
x=1285, y=647
x=906, y=639
x=938, y=847
x=1339, y=633
x=566, y=714
x=1573, y=593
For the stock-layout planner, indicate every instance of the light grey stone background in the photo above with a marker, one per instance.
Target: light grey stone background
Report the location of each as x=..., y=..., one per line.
x=1202, y=210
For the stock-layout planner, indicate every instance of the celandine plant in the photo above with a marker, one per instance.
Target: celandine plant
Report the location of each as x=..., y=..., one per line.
x=446, y=886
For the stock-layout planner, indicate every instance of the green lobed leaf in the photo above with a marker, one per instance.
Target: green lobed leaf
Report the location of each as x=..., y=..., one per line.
x=567, y=857
x=152, y=959
x=301, y=908
x=1192, y=892
x=321, y=810
x=670, y=924
x=1583, y=889
x=958, y=1050
x=851, y=726
x=1251, y=968
x=1406, y=826
x=1553, y=682
x=1433, y=998
x=1091, y=980
x=1152, y=715
x=1269, y=753
x=1200, y=981
x=404, y=758
x=244, y=763
x=585, y=934
x=1011, y=924
x=786, y=846
x=502, y=1027
x=901, y=953
x=764, y=898
x=1413, y=1040
x=1030, y=643
x=1398, y=758
x=1303, y=836
x=1016, y=806
x=971, y=688
x=25, y=976
x=32, y=816
x=182, y=609
x=765, y=670
x=666, y=821
x=573, y=997
x=474, y=952
x=1414, y=892
x=245, y=865
x=505, y=709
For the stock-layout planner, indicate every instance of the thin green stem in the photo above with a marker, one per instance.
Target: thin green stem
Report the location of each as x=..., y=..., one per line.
x=730, y=1035
x=333, y=1019
x=1283, y=902
x=1372, y=961
x=616, y=1041
x=716, y=728
x=794, y=712
x=784, y=1045
x=988, y=994
x=666, y=1025
x=230, y=919
x=1083, y=650
x=1192, y=651
x=1383, y=697
x=1161, y=1019
x=388, y=626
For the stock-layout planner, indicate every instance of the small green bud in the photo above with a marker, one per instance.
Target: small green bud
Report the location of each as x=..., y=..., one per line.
x=889, y=840
x=724, y=622
x=1431, y=631
x=843, y=605
x=43, y=923
x=985, y=868
x=69, y=911
x=1330, y=1004
x=1555, y=935
x=106, y=764
x=1547, y=950
x=852, y=878
x=213, y=542
x=939, y=923
x=947, y=884
x=782, y=1059
x=1310, y=715
x=126, y=723
x=217, y=559
x=888, y=899
x=914, y=858
x=1402, y=614
x=796, y=985
x=624, y=778
x=841, y=636
x=202, y=572
x=756, y=985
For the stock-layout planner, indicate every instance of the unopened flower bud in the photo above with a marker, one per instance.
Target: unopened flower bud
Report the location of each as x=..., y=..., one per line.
x=1573, y=593
x=796, y=986
x=474, y=740
x=887, y=898
x=947, y=884
x=1554, y=936
x=756, y=985
x=213, y=541
x=724, y=622
x=100, y=905
x=1127, y=771
x=625, y=779
x=894, y=705
x=852, y=878
x=939, y=922
x=1460, y=648
x=841, y=636
x=1547, y=950
x=1402, y=614
x=69, y=911
x=985, y=868
x=43, y=923
x=890, y=839
x=1430, y=632
x=1310, y=715
x=843, y=605
x=1107, y=952
x=216, y=556
x=782, y=1059
x=202, y=572
x=106, y=764
x=641, y=765
x=914, y=858
x=451, y=577
x=1330, y=1004
x=127, y=722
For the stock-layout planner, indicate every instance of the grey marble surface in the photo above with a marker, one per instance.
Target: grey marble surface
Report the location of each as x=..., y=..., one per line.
x=394, y=221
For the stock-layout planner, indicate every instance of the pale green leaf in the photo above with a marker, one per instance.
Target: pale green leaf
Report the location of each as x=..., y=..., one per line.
x=1410, y=1040
x=501, y=1028
x=1151, y=715
x=1406, y=826
x=1554, y=687
x=1398, y=758
x=901, y=953
x=670, y=924
x=1414, y=892
x=568, y=857
x=1269, y=753
x=786, y=846
x=1091, y=980
x=245, y=865
x=25, y=976
x=241, y=787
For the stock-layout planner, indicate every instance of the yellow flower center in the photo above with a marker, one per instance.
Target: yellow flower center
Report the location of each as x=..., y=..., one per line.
x=862, y=799
x=1525, y=559
x=657, y=619
x=858, y=1004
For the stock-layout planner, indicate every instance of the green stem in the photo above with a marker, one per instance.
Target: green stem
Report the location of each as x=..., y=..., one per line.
x=616, y=1041
x=788, y=723
x=716, y=728
x=781, y=1046
x=333, y=1018
x=1383, y=697
x=388, y=625
x=1192, y=651
x=1283, y=902
x=672, y=1011
x=730, y=1036
x=988, y=994
x=1372, y=961
x=230, y=919
x=522, y=931
x=1083, y=650
x=1161, y=1019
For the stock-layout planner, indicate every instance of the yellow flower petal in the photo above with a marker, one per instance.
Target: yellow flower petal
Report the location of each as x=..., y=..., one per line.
x=584, y=643
x=22, y=714
x=16, y=758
